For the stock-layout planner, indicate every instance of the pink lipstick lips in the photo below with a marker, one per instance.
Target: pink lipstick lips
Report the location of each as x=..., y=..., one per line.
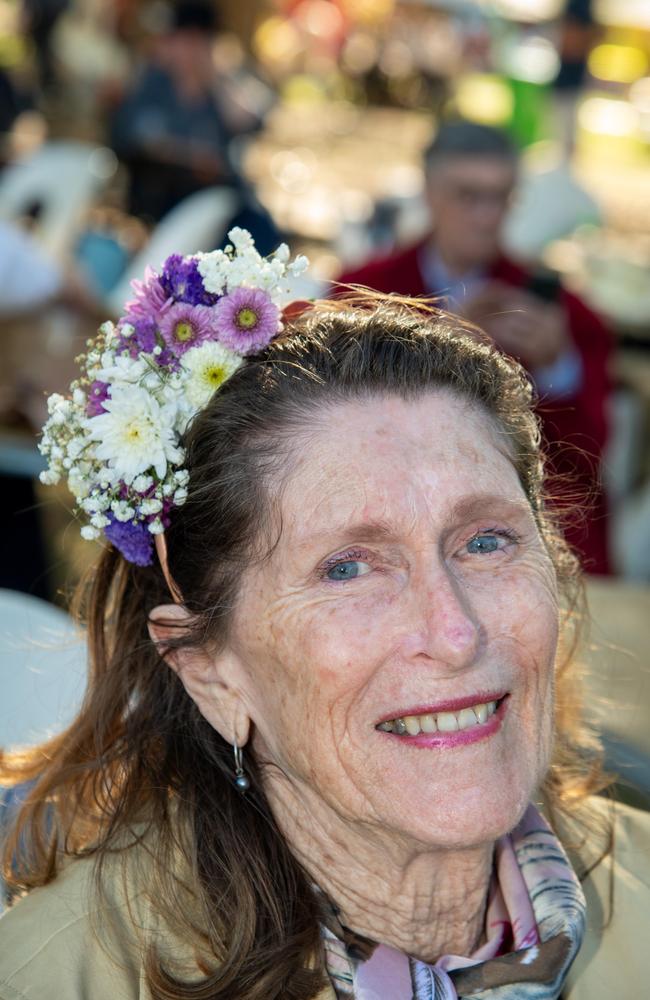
x=448, y=724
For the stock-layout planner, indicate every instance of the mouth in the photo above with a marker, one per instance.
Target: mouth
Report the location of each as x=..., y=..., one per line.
x=443, y=721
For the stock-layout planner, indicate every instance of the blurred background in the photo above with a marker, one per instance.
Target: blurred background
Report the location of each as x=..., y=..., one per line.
x=134, y=128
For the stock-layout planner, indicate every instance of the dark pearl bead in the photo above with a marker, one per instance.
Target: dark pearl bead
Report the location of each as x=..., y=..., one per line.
x=242, y=782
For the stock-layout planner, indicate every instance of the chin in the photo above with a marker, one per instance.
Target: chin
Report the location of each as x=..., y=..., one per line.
x=472, y=818
x=473, y=803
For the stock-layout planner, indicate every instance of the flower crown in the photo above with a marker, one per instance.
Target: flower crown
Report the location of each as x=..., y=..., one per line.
x=116, y=437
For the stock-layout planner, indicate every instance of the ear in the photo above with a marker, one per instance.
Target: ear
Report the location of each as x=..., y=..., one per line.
x=209, y=678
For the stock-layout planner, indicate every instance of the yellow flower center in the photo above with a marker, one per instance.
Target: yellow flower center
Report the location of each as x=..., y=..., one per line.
x=247, y=318
x=133, y=434
x=215, y=375
x=184, y=331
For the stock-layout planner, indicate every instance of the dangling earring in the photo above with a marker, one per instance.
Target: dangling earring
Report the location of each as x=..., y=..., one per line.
x=241, y=781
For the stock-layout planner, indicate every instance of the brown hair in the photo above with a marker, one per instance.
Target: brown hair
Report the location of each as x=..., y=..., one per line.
x=139, y=751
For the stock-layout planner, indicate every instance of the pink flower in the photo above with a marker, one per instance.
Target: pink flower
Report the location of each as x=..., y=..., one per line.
x=151, y=300
x=246, y=320
x=183, y=326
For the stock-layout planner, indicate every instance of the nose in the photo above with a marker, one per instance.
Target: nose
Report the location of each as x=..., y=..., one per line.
x=444, y=626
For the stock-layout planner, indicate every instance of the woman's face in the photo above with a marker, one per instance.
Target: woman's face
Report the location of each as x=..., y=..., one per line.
x=409, y=583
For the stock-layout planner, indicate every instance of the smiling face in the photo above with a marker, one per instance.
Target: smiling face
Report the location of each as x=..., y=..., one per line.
x=409, y=580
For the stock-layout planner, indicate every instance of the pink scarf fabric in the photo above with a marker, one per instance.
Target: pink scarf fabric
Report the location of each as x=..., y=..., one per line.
x=534, y=927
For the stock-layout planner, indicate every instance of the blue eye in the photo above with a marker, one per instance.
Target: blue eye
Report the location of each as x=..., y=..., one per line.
x=486, y=543
x=347, y=570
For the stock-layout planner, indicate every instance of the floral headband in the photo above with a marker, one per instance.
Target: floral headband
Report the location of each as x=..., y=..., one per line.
x=116, y=437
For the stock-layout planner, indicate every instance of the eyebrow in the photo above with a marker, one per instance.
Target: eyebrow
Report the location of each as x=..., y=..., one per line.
x=371, y=531
x=362, y=531
x=473, y=504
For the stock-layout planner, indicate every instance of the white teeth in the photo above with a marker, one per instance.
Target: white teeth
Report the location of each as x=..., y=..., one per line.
x=444, y=722
x=447, y=722
x=412, y=723
x=428, y=723
x=466, y=718
x=481, y=713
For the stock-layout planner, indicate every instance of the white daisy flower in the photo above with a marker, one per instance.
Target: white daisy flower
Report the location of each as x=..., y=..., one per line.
x=134, y=434
x=208, y=367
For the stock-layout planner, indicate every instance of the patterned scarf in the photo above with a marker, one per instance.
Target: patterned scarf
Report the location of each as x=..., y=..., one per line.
x=534, y=926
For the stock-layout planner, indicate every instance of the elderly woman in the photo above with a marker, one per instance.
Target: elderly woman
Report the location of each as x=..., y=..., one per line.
x=326, y=711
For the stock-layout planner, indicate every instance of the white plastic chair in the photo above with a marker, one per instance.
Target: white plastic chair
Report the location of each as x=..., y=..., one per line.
x=62, y=178
x=42, y=669
x=197, y=224
x=550, y=204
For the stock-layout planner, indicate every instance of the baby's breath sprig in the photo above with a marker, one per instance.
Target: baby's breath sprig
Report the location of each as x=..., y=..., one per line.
x=116, y=438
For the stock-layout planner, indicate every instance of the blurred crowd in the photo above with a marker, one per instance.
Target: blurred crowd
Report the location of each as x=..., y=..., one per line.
x=495, y=155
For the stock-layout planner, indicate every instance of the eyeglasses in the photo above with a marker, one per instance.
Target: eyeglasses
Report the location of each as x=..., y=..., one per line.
x=481, y=197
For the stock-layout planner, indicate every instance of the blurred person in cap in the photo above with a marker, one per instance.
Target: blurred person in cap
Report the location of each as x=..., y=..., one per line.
x=471, y=172
x=174, y=127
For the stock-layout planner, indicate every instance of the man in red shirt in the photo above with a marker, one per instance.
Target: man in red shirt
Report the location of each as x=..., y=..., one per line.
x=471, y=172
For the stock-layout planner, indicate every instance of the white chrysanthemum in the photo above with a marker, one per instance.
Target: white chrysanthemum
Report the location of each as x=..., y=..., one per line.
x=207, y=367
x=134, y=434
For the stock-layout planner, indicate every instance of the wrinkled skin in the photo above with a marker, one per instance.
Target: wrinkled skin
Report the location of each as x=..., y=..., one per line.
x=396, y=492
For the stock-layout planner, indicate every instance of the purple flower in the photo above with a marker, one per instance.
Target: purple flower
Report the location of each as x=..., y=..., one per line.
x=97, y=394
x=143, y=337
x=184, y=326
x=181, y=280
x=151, y=300
x=134, y=541
x=247, y=320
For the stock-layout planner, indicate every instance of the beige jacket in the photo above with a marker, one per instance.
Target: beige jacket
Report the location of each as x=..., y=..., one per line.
x=49, y=945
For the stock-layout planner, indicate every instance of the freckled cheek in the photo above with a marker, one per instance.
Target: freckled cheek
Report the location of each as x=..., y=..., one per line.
x=330, y=659
x=524, y=622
